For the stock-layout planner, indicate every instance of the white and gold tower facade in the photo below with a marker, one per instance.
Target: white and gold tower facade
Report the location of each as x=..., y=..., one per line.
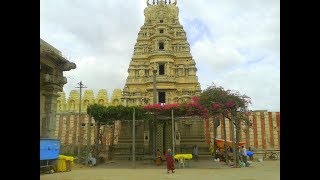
x=162, y=46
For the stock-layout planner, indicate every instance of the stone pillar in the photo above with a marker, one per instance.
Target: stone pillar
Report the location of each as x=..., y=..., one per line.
x=177, y=141
x=49, y=120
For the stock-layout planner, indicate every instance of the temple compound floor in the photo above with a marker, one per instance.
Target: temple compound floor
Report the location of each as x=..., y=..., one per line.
x=203, y=169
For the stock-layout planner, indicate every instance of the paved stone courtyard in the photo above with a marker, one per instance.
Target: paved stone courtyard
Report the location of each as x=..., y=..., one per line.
x=201, y=170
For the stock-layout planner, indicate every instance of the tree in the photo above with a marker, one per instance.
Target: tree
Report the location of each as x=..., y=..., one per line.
x=107, y=116
x=120, y=112
x=237, y=105
x=231, y=105
x=98, y=112
x=209, y=98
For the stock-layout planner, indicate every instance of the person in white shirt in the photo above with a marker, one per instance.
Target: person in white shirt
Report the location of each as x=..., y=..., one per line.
x=243, y=152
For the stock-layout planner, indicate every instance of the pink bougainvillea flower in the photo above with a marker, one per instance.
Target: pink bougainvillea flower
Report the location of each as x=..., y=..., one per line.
x=195, y=99
x=216, y=106
x=230, y=103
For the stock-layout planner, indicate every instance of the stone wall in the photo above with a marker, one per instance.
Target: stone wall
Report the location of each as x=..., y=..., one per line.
x=263, y=135
x=67, y=131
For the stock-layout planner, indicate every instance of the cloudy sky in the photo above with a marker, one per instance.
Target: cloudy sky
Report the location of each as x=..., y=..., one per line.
x=236, y=44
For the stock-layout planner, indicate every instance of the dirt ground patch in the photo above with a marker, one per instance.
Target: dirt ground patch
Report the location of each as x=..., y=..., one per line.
x=201, y=170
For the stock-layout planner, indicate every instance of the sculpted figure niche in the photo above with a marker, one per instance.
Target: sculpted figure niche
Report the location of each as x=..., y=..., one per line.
x=141, y=72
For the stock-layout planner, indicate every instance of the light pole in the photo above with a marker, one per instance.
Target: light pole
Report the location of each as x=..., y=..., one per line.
x=134, y=139
x=154, y=86
x=79, y=124
x=154, y=116
x=173, y=137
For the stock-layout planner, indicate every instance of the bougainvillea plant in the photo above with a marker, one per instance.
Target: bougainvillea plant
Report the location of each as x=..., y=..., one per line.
x=230, y=105
x=192, y=108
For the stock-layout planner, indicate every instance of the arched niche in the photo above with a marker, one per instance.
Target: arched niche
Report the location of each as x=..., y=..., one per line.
x=72, y=105
x=101, y=102
x=85, y=104
x=115, y=102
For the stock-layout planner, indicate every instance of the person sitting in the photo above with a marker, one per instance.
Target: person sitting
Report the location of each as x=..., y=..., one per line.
x=91, y=160
x=195, y=153
x=211, y=150
x=229, y=154
x=243, y=152
x=218, y=153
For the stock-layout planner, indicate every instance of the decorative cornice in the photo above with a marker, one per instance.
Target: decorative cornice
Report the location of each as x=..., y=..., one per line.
x=51, y=53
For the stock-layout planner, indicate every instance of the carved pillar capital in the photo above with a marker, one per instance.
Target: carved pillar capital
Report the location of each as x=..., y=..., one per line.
x=51, y=80
x=52, y=90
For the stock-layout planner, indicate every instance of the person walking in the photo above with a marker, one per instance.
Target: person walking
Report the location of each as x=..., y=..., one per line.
x=169, y=159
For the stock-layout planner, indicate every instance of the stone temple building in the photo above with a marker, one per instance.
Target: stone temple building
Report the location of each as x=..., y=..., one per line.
x=161, y=70
x=52, y=65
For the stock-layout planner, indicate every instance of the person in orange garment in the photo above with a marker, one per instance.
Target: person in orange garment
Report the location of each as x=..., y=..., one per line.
x=170, y=164
x=158, y=158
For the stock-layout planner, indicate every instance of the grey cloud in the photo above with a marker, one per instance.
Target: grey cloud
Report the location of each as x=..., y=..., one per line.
x=99, y=37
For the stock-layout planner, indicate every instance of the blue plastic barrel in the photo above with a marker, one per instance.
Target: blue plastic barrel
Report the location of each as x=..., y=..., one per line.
x=49, y=148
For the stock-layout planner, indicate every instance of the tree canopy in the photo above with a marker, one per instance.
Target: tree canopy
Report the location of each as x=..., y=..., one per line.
x=218, y=100
x=107, y=115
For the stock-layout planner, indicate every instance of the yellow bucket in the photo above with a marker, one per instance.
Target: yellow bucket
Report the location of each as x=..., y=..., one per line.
x=64, y=163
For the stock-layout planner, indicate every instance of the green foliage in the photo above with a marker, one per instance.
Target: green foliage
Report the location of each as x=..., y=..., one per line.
x=126, y=112
x=140, y=112
x=107, y=115
x=98, y=112
x=113, y=113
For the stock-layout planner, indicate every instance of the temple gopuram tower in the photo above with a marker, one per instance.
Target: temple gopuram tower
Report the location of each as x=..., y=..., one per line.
x=162, y=70
x=162, y=46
